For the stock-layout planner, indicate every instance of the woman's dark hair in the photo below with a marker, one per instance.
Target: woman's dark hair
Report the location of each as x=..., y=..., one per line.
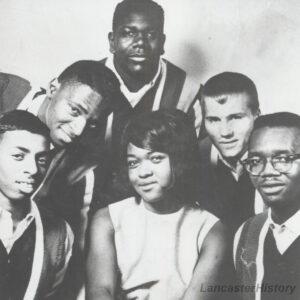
x=170, y=132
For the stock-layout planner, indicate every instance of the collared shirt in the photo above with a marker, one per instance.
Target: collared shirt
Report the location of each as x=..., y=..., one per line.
x=215, y=156
x=9, y=236
x=33, y=106
x=135, y=97
x=285, y=234
x=236, y=172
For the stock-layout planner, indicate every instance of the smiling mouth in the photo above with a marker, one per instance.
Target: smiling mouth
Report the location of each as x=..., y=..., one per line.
x=146, y=186
x=271, y=189
x=138, y=58
x=228, y=142
x=26, y=184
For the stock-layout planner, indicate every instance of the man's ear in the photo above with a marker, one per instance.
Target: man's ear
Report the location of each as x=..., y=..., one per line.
x=111, y=42
x=163, y=40
x=52, y=87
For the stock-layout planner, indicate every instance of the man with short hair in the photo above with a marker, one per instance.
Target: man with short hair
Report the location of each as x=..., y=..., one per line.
x=148, y=81
x=230, y=106
x=267, y=246
x=35, y=244
x=75, y=108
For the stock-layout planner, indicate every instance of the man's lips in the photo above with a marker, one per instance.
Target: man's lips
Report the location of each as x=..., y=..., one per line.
x=29, y=182
x=26, y=186
x=270, y=188
x=228, y=142
x=138, y=58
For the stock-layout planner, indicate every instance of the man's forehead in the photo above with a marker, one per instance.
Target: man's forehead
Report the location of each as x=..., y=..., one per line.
x=82, y=94
x=275, y=139
x=235, y=103
x=24, y=139
x=136, y=18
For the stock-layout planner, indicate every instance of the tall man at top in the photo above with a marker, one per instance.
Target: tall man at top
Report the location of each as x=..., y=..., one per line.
x=148, y=81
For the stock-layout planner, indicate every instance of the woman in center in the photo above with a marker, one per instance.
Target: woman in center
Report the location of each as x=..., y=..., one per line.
x=158, y=244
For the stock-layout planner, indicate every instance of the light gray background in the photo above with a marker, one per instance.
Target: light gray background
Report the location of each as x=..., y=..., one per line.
x=260, y=38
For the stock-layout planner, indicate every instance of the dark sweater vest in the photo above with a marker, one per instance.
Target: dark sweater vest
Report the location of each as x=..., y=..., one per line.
x=15, y=267
x=234, y=202
x=281, y=270
x=230, y=200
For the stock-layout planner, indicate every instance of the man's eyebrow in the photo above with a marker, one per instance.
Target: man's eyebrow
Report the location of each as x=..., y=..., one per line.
x=84, y=108
x=23, y=149
x=46, y=152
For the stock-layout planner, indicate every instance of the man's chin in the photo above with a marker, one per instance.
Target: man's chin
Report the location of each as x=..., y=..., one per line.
x=229, y=155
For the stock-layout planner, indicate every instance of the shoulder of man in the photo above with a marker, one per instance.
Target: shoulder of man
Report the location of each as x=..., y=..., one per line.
x=56, y=233
x=13, y=90
x=205, y=148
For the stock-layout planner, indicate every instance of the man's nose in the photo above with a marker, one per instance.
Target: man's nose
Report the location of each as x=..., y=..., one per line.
x=226, y=129
x=269, y=170
x=31, y=166
x=140, y=39
x=77, y=126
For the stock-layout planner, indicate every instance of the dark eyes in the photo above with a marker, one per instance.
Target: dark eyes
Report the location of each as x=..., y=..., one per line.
x=236, y=117
x=282, y=159
x=18, y=156
x=75, y=111
x=132, y=164
x=157, y=158
x=133, y=34
x=43, y=161
x=254, y=161
x=212, y=119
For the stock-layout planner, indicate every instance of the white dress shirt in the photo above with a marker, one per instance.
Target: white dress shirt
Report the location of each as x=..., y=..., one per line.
x=285, y=234
x=135, y=97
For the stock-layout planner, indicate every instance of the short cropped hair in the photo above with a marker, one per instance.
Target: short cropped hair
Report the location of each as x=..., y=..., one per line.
x=279, y=119
x=97, y=76
x=170, y=132
x=124, y=8
x=22, y=120
x=228, y=83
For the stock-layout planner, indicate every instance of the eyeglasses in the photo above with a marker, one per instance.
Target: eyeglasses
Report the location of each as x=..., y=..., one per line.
x=281, y=163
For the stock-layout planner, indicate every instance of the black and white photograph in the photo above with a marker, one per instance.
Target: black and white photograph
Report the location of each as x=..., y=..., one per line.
x=149, y=150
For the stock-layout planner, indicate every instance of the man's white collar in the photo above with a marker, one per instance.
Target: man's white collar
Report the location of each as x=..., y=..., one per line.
x=135, y=97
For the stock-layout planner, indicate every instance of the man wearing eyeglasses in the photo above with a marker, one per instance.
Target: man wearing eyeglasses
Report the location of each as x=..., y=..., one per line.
x=230, y=106
x=267, y=246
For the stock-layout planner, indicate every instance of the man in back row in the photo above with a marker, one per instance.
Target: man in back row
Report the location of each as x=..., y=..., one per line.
x=148, y=81
x=230, y=106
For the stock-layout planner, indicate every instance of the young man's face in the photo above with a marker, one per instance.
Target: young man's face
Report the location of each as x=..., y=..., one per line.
x=276, y=188
x=137, y=44
x=72, y=107
x=23, y=162
x=229, y=123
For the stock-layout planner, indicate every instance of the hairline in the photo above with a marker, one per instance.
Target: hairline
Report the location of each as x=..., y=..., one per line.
x=250, y=100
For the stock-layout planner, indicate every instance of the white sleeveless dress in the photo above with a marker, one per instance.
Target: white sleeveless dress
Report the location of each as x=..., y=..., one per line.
x=157, y=253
